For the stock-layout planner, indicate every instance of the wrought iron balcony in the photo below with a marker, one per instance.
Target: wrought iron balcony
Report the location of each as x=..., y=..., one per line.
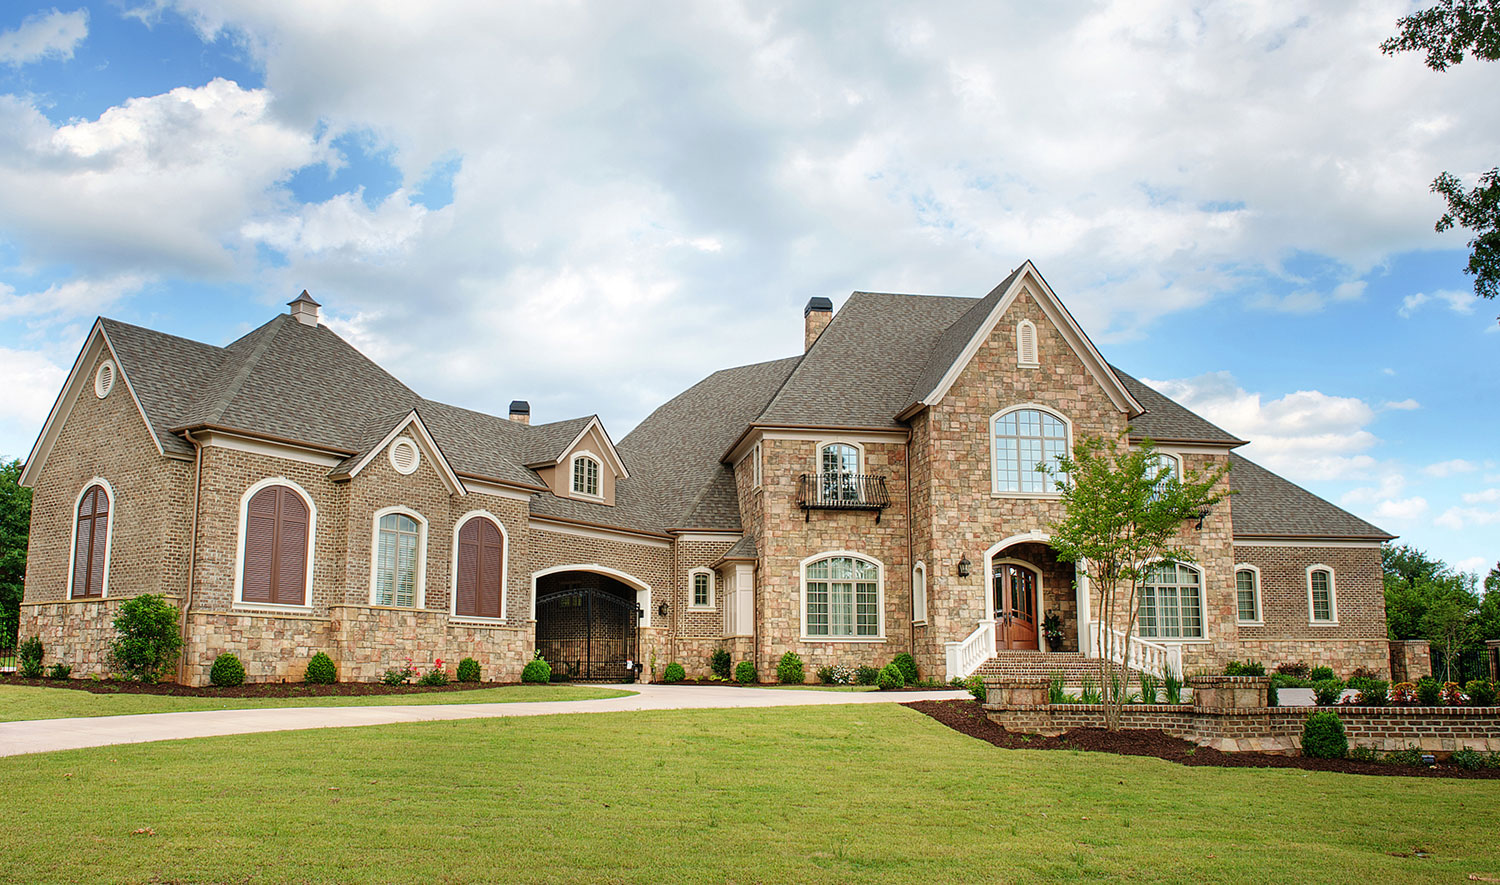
x=842, y=491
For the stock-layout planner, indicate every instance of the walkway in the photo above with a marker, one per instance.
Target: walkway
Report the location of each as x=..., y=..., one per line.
x=43, y=735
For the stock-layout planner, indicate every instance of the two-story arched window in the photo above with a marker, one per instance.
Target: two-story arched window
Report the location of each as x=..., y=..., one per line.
x=277, y=520
x=1172, y=603
x=1023, y=438
x=91, y=534
x=480, y=567
x=842, y=597
x=586, y=476
x=400, y=558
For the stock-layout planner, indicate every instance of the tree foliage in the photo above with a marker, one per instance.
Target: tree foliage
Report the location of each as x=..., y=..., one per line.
x=1125, y=513
x=15, y=526
x=1448, y=32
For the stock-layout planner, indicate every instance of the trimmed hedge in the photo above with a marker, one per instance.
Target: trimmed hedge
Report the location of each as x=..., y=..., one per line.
x=321, y=671
x=720, y=664
x=908, y=667
x=226, y=671
x=468, y=670
x=537, y=670
x=1323, y=736
x=1327, y=691
x=674, y=673
x=891, y=677
x=744, y=673
x=789, y=669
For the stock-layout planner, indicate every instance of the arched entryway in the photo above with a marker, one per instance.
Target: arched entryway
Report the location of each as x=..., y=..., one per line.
x=588, y=622
x=1025, y=583
x=1014, y=588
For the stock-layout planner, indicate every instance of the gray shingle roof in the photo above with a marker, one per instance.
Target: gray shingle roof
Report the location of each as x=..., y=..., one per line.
x=1166, y=420
x=744, y=548
x=166, y=372
x=1266, y=505
x=544, y=444
x=951, y=343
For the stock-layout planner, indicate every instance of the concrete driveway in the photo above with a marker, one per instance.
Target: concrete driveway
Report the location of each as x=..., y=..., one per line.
x=45, y=735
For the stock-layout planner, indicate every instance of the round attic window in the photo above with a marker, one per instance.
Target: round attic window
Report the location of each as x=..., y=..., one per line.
x=404, y=456
x=104, y=379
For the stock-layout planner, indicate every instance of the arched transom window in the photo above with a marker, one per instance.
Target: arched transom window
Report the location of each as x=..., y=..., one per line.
x=841, y=598
x=90, y=542
x=397, y=560
x=1024, y=438
x=1172, y=603
x=277, y=523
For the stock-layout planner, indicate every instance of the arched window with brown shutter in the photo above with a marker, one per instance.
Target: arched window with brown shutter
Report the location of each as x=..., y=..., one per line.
x=480, y=574
x=91, y=542
x=277, y=529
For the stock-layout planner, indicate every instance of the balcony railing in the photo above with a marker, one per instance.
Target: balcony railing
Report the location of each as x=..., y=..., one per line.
x=842, y=491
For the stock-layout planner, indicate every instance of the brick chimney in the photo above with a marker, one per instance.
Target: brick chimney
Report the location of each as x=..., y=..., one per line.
x=815, y=318
x=304, y=309
x=520, y=411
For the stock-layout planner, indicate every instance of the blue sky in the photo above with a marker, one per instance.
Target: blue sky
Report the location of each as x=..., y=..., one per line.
x=591, y=206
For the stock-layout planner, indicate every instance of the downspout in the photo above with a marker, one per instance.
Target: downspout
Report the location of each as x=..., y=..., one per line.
x=911, y=557
x=187, y=597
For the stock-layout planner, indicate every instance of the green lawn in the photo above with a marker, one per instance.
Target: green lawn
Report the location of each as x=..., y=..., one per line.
x=34, y=702
x=828, y=794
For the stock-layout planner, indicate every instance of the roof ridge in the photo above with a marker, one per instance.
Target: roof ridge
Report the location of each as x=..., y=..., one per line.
x=110, y=321
x=217, y=409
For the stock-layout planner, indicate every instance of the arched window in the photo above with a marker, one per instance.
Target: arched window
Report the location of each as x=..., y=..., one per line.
x=276, y=528
x=1026, y=345
x=1322, y=607
x=586, y=476
x=1172, y=603
x=400, y=558
x=838, y=471
x=841, y=598
x=479, y=574
x=919, y=593
x=1247, y=594
x=1022, y=439
x=91, y=542
x=1173, y=471
x=701, y=585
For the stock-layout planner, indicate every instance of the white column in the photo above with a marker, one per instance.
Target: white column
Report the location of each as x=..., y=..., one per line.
x=1085, y=606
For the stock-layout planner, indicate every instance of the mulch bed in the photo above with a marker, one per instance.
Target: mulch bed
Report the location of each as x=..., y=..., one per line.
x=968, y=717
x=249, y=689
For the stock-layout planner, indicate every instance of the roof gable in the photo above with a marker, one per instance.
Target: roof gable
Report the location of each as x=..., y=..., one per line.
x=352, y=466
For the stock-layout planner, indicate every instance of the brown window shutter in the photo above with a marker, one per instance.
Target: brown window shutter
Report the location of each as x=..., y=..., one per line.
x=491, y=554
x=291, y=549
x=91, y=535
x=468, y=569
x=100, y=543
x=260, y=545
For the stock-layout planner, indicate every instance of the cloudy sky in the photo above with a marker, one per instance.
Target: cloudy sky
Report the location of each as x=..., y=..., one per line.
x=591, y=205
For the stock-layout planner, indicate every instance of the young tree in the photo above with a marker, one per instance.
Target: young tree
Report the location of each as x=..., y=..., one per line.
x=1125, y=514
x=15, y=525
x=1448, y=624
x=1413, y=581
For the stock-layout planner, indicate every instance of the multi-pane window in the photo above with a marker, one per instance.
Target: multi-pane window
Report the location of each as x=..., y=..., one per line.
x=90, y=542
x=1172, y=603
x=396, y=560
x=839, y=466
x=1321, y=587
x=1247, y=595
x=702, y=591
x=843, y=598
x=1167, y=469
x=586, y=476
x=1025, y=438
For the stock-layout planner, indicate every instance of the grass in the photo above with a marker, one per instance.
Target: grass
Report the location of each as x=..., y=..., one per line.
x=19, y=702
x=869, y=793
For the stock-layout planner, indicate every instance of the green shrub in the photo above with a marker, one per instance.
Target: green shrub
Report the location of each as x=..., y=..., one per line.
x=321, y=671
x=1297, y=669
x=1327, y=691
x=1376, y=693
x=674, y=673
x=1057, y=689
x=1319, y=674
x=1411, y=755
x=59, y=671
x=1236, y=668
x=719, y=663
x=890, y=677
x=866, y=676
x=29, y=658
x=1323, y=736
x=1363, y=754
x=1361, y=681
x=1468, y=759
x=468, y=670
x=400, y=675
x=1481, y=692
x=1429, y=692
x=226, y=671
x=975, y=686
x=825, y=675
x=744, y=673
x=1171, y=684
x=908, y=667
x=789, y=669
x=147, y=638
x=436, y=676
x=1088, y=691
x=1149, y=688
x=537, y=670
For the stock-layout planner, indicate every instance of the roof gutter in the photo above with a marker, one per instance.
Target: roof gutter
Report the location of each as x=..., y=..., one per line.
x=833, y=428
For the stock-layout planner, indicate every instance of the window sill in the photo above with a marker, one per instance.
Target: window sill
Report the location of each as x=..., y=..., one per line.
x=269, y=609
x=921, y=623
x=592, y=499
x=839, y=639
x=477, y=621
x=702, y=608
x=398, y=608
x=1053, y=496
x=1028, y=365
x=1170, y=641
x=1322, y=623
x=1250, y=623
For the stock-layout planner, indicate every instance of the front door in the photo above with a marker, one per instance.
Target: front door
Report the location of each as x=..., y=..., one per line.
x=1015, y=606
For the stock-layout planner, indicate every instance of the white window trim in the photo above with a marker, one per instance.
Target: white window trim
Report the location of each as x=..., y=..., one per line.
x=919, y=593
x=573, y=473
x=1259, y=613
x=100, y=390
x=109, y=538
x=416, y=461
x=859, y=454
x=504, y=570
x=879, y=591
x=1036, y=347
x=756, y=466
x=420, y=601
x=1333, y=596
x=239, y=554
x=1202, y=610
x=995, y=491
x=712, y=590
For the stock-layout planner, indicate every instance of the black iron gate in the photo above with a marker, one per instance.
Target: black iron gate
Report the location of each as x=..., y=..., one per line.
x=587, y=634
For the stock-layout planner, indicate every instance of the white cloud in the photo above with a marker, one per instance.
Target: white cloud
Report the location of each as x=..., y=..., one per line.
x=74, y=298
x=1458, y=302
x=1404, y=405
x=1473, y=564
x=1488, y=496
x=50, y=35
x=31, y=384
x=1406, y=508
x=1457, y=518
x=1449, y=468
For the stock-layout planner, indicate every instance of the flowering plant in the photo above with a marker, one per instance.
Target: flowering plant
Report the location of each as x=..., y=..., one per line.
x=1453, y=695
x=1404, y=693
x=400, y=675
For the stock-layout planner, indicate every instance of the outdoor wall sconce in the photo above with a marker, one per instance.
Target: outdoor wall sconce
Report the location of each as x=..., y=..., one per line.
x=1203, y=513
x=963, y=567
x=662, y=609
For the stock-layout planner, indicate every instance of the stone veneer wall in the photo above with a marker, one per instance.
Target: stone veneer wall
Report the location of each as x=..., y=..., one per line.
x=1411, y=659
x=273, y=648
x=1286, y=633
x=373, y=639
x=76, y=633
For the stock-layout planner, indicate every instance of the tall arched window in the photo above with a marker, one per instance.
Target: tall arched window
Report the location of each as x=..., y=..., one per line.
x=1168, y=469
x=399, y=558
x=1247, y=594
x=277, y=524
x=91, y=542
x=1172, y=603
x=1322, y=606
x=480, y=573
x=838, y=469
x=1022, y=439
x=586, y=476
x=841, y=598
x=919, y=593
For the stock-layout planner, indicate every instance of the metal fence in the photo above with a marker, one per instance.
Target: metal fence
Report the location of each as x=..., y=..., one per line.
x=1468, y=663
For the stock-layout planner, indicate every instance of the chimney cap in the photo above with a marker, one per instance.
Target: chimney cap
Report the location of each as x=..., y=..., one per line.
x=520, y=407
x=819, y=303
x=304, y=298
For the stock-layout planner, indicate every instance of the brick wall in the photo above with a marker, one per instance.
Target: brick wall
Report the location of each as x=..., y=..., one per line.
x=1286, y=634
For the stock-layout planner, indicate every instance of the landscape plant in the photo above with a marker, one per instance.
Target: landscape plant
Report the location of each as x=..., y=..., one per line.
x=975, y=686
x=674, y=673
x=1327, y=691
x=1481, y=692
x=1088, y=691
x=719, y=663
x=836, y=674
x=1468, y=759
x=866, y=675
x=29, y=658
x=1318, y=674
x=1323, y=736
x=147, y=638
x=1429, y=692
x=59, y=671
x=908, y=667
x=1057, y=690
x=1299, y=669
x=400, y=675
x=1411, y=754
x=1124, y=516
x=1236, y=668
x=1453, y=695
x=227, y=671
x=891, y=678
x=1171, y=684
x=1404, y=694
x=744, y=673
x=1375, y=693
x=468, y=670
x=436, y=676
x=789, y=669
x=321, y=670
x=537, y=670
x=1149, y=688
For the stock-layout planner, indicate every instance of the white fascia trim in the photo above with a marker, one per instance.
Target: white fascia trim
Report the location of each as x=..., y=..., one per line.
x=1259, y=615
x=541, y=524
x=712, y=591
x=221, y=440
x=504, y=567
x=421, y=595
x=802, y=596
x=109, y=538
x=239, y=550
x=642, y=589
x=62, y=407
x=609, y=447
x=479, y=486
x=1077, y=340
x=1305, y=542
x=412, y=419
x=1333, y=596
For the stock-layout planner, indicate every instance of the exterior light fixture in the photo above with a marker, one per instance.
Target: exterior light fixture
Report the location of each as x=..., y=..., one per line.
x=662, y=609
x=963, y=567
x=1203, y=513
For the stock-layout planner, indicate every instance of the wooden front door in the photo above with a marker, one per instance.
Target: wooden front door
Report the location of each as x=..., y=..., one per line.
x=1015, y=607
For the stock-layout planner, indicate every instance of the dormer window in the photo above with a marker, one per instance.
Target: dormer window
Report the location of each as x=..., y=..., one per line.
x=1026, y=345
x=586, y=476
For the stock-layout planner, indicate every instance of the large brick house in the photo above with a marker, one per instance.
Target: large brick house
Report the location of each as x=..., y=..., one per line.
x=872, y=495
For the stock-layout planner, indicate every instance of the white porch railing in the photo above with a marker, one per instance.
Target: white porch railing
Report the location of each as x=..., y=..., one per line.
x=966, y=656
x=1140, y=654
